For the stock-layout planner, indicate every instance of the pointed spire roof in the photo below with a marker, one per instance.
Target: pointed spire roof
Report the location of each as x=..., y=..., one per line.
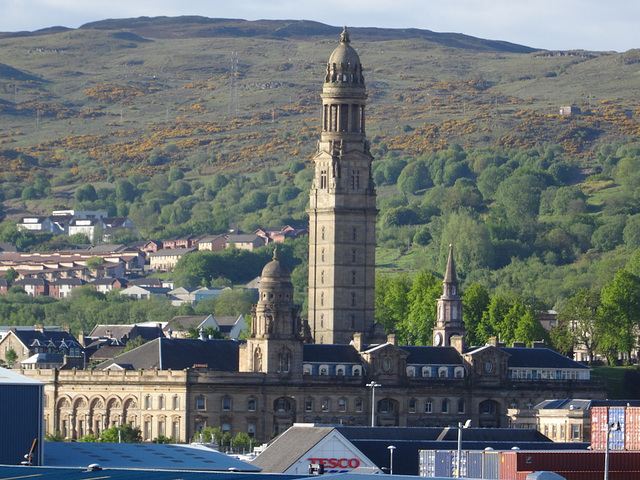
x=450, y=274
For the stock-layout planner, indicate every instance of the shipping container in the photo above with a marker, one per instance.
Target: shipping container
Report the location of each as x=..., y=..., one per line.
x=599, y=418
x=616, y=437
x=442, y=463
x=490, y=465
x=427, y=463
x=474, y=464
x=632, y=429
x=575, y=464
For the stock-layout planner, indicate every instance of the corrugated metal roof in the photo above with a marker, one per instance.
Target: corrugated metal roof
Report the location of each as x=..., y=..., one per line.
x=7, y=377
x=141, y=455
x=57, y=473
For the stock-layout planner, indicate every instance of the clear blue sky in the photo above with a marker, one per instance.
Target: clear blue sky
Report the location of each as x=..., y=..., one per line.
x=550, y=24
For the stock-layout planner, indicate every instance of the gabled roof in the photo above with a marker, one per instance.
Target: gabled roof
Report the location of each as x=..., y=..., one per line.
x=432, y=355
x=68, y=281
x=328, y=353
x=180, y=353
x=121, y=331
x=287, y=448
x=56, y=337
x=185, y=322
x=171, y=252
x=539, y=357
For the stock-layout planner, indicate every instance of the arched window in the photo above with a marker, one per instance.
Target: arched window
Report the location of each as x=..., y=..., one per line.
x=147, y=402
x=284, y=361
x=411, y=371
x=386, y=405
x=161, y=403
x=356, y=371
x=282, y=404
x=306, y=369
x=340, y=370
x=342, y=404
x=324, y=370
x=428, y=406
x=426, y=371
x=443, y=372
x=458, y=372
x=176, y=402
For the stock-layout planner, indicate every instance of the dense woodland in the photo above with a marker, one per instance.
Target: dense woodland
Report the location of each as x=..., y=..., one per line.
x=543, y=210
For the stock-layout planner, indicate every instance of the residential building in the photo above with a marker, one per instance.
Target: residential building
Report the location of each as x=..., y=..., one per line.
x=245, y=241
x=166, y=259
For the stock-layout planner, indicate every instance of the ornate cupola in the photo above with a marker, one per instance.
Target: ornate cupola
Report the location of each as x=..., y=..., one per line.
x=342, y=208
x=275, y=343
x=449, y=322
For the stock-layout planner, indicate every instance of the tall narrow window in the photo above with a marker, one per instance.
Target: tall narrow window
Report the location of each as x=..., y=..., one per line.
x=354, y=255
x=354, y=234
x=322, y=233
x=322, y=255
x=355, y=179
x=323, y=179
x=353, y=277
x=353, y=299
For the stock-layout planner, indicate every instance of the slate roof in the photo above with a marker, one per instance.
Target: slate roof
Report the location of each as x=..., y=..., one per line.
x=540, y=358
x=44, y=358
x=27, y=337
x=286, y=449
x=184, y=322
x=180, y=353
x=432, y=355
x=121, y=332
x=330, y=353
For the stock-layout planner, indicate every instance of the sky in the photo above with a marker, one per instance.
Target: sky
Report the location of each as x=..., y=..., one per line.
x=601, y=25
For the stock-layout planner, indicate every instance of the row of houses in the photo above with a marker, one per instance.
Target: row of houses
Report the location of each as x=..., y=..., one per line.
x=40, y=347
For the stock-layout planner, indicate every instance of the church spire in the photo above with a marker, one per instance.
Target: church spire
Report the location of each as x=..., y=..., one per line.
x=449, y=321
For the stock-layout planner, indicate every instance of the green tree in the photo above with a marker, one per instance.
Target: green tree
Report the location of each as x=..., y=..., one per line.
x=127, y=433
x=578, y=323
x=414, y=177
x=54, y=437
x=476, y=302
x=391, y=300
x=621, y=306
x=416, y=327
x=90, y=438
x=11, y=274
x=10, y=357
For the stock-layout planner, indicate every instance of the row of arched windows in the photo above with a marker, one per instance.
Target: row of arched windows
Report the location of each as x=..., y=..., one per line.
x=161, y=403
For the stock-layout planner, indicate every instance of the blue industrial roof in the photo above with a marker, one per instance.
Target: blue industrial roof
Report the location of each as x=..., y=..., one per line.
x=539, y=358
x=57, y=473
x=7, y=377
x=141, y=455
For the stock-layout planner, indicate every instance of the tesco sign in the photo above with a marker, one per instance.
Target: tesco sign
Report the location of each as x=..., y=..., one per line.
x=336, y=462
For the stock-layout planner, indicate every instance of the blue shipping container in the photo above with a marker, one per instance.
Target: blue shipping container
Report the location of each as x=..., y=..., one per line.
x=474, y=464
x=490, y=465
x=442, y=463
x=616, y=437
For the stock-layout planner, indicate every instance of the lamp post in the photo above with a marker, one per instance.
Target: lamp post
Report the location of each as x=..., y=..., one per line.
x=391, y=449
x=373, y=386
x=611, y=427
x=466, y=424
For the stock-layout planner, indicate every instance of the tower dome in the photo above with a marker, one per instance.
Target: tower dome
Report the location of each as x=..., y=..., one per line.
x=275, y=271
x=344, y=63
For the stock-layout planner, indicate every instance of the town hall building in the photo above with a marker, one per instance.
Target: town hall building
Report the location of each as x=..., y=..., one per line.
x=337, y=367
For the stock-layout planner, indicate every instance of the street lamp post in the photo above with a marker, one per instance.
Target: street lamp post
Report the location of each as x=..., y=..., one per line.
x=466, y=424
x=391, y=449
x=611, y=427
x=373, y=386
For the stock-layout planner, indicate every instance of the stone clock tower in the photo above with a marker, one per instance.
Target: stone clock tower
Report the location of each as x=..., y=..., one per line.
x=449, y=322
x=342, y=208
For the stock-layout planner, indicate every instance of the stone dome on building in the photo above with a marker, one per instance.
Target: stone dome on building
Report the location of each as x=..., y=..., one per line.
x=275, y=270
x=344, y=63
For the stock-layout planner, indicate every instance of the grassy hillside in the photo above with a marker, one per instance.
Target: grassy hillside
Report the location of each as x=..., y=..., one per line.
x=150, y=99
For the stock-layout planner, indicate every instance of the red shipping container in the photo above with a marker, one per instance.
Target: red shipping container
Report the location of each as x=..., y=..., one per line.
x=599, y=419
x=577, y=461
x=632, y=433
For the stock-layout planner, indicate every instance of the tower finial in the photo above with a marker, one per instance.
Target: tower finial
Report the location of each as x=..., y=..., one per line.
x=344, y=36
x=275, y=253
